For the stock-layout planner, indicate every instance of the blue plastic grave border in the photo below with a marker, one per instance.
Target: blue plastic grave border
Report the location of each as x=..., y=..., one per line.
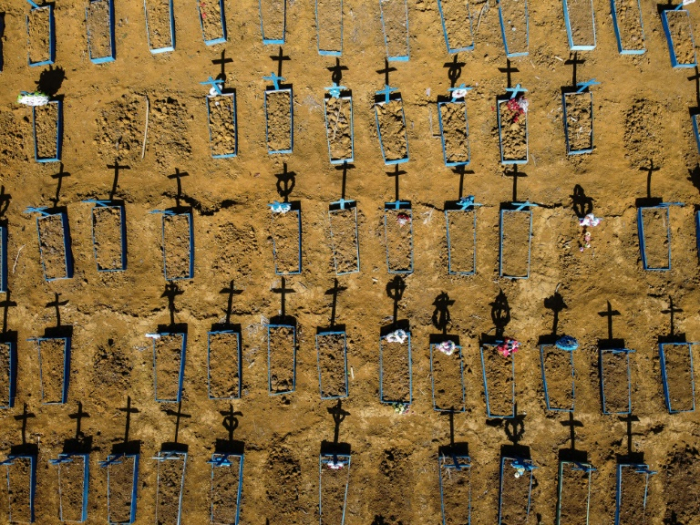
x=492, y=347
x=112, y=45
x=277, y=89
x=397, y=206
x=465, y=204
x=171, y=213
x=583, y=90
x=389, y=57
x=627, y=353
x=387, y=91
x=222, y=19
x=274, y=207
x=12, y=380
x=664, y=376
x=461, y=382
x=642, y=240
x=524, y=464
x=66, y=367
x=696, y=129
x=503, y=99
x=458, y=463
x=504, y=34
x=584, y=467
x=52, y=35
x=222, y=460
x=639, y=468
x=618, y=33
x=59, y=134
x=410, y=374
x=3, y=259
x=345, y=363
x=166, y=48
x=240, y=370
x=32, y=482
x=235, y=126
x=66, y=240
x=171, y=455
x=569, y=31
x=293, y=328
x=669, y=37
x=273, y=41
x=543, y=349
x=342, y=205
x=455, y=101
x=69, y=458
x=328, y=52
x=451, y=49
x=324, y=459
x=115, y=459
x=520, y=207
x=335, y=92
x=181, y=373
x=106, y=204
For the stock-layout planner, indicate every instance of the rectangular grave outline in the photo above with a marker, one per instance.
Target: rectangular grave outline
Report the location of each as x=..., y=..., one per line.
x=696, y=129
x=165, y=248
x=669, y=38
x=345, y=360
x=569, y=33
x=32, y=482
x=240, y=365
x=181, y=374
x=664, y=376
x=449, y=242
x=442, y=134
x=461, y=374
x=220, y=463
x=294, y=360
x=578, y=466
x=324, y=459
x=379, y=131
x=3, y=258
x=396, y=58
x=452, y=50
x=348, y=204
x=329, y=52
x=111, y=57
x=66, y=245
x=52, y=37
x=627, y=352
x=66, y=457
x=493, y=346
x=235, y=126
x=66, y=368
x=273, y=41
x=295, y=207
x=642, y=240
x=443, y=465
x=291, y=120
x=544, y=380
x=410, y=374
x=503, y=99
x=350, y=159
x=618, y=35
x=639, y=469
x=222, y=39
x=12, y=380
x=514, y=54
x=171, y=455
x=503, y=211
x=59, y=134
x=570, y=151
x=122, y=221
x=530, y=467
x=166, y=48
x=114, y=459
x=399, y=205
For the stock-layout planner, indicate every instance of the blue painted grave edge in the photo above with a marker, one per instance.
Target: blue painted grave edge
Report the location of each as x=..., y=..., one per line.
x=293, y=328
x=3, y=259
x=273, y=41
x=461, y=375
x=351, y=158
x=627, y=353
x=52, y=37
x=529, y=466
x=222, y=19
x=164, y=49
x=450, y=49
x=66, y=367
x=181, y=374
x=696, y=129
x=456, y=464
x=492, y=347
x=449, y=242
x=544, y=380
x=669, y=38
x=324, y=459
x=208, y=99
x=122, y=229
x=442, y=134
x=167, y=456
x=664, y=376
x=291, y=121
x=398, y=205
x=395, y=58
x=500, y=243
x=66, y=244
x=503, y=99
x=642, y=240
x=240, y=366
x=560, y=484
x=112, y=45
x=12, y=386
x=328, y=52
x=113, y=458
x=509, y=53
x=639, y=468
x=618, y=34
x=216, y=463
x=188, y=214
x=410, y=374
x=379, y=132
x=59, y=134
x=32, y=480
x=570, y=151
x=62, y=458
x=345, y=361
x=569, y=33
x=296, y=208
x=346, y=205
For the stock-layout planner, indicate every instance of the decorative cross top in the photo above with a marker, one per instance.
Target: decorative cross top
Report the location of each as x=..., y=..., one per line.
x=100, y=203
x=582, y=86
x=335, y=90
x=215, y=84
x=387, y=91
x=342, y=203
x=515, y=90
x=33, y=4
x=520, y=206
x=459, y=91
x=467, y=202
x=395, y=205
x=275, y=79
x=40, y=209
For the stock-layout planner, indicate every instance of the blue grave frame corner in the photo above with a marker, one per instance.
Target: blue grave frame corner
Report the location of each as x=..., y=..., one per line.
x=379, y=132
x=66, y=367
x=345, y=363
x=99, y=204
x=461, y=375
x=111, y=57
x=396, y=58
x=601, y=373
x=234, y=153
x=221, y=460
x=291, y=121
x=696, y=129
x=67, y=457
x=529, y=466
x=181, y=373
x=410, y=374
x=240, y=365
x=457, y=462
x=324, y=459
x=12, y=372
x=452, y=50
x=167, y=48
x=328, y=52
x=503, y=99
x=115, y=459
x=665, y=379
x=460, y=208
x=294, y=360
x=639, y=468
x=295, y=208
x=504, y=35
x=669, y=38
x=59, y=134
x=447, y=162
x=224, y=36
x=585, y=467
x=642, y=240
x=167, y=455
x=618, y=34
x=32, y=481
x=569, y=31
x=398, y=205
x=190, y=221
x=350, y=159
x=344, y=204
x=52, y=36
x=273, y=41
x=492, y=347
x=515, y=208
x=569, y=150
x=543, y=349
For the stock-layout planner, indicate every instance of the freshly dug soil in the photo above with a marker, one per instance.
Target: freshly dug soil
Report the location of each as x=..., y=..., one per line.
x=333, y=486
x=395, y=372
x=168, y=134
x=656, y=237
x=679, y=373
x=513, y=134
x=632, y=499
x=574, y=496
x=46, y=121
x=224, y=492
x=210, y=15
x=279, y=120
x=680, y=28
x=107, y=229
x=395, y=18
x=120, y=488
x=331, y=363
x=629, y=23
x=456, y=491
x=98, y=29
x=18, y=489
x=515, y=496
x=579, y=121
x=283, y=477
x=273, y=14
x=339, y=129
x=52, y=354
x=344, y=239
x=448, y=382
x=286, y=236
x=461, y=228
x=221, y=124
x=158, y=23
x=168, y=354
x=456, y=14
x=515, y=23
x=581, y=19
x=171, y=479
x=500, y=381
x=39, y=29
x=616, y=384
x=516, y=242
x=392, y=130
x=120, y=129
x=399, y=240
x=560, y=382
x=454, y=131
x=681, y=488
x=70, y=477
x=224, y=360
x=329, y=18
x=176, y=246
x=282, y=349
x=5, y=367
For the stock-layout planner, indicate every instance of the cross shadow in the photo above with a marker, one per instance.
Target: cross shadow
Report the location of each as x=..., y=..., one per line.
x=385, y=71
x=60, y=330
x=454, y=70
x=51, y=80
x=222, y=62
x=59, y=177
x=649, y=200
x=175, y=445
x=575, y=62
x=230, y=291
x=395, y=290
x=516, y=175
x=500, y=316
x=10, y=337
x=5, y=199
x=572, y=453
x=336, y=447
x=611, y=342
x=280, y=58
x=80, y=443
x=453, y=448
x=171, y=292
x=115, y=184
x=333, y=292
x=461, y=171
x=508, y=70
x=283, y=318
x=696, y=78
x=127, y=446
x=672, y=336
x=2, y=39
x=344, y=168
x=24, y=448
x=582, y=204
x=441, y=318
x=556, y=304
x=694, y=176
x=337, y=71
x=179, y=197
x=230, y=424
x=630, y=457
x=286, y=181
x=397, y=173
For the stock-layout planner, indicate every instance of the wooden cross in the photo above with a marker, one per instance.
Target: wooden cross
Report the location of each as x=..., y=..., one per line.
x=572, y=424
x=178, y=415
x=396, y=174
x=334, y=292
x=116, y=167
x=285, y=182
x=78, y=416
x=178, y=176
x=387, y=69
x=629, y=419
x=344, y=168
x=574, y=62
x=454, y=70
x=339, y=416
x=59, y=176
x=337, y=71
x=516, y=175
x=128, y=411
x=283, y=291
x=280, y=58
x=508, y=70
x=441, y=314
x=609, y=313
x=57, y=304
x=6, y=305
x=23, y=418
x=171, y=292
x=222, y=62
x=231, y=291
x=671, y=311
x=230, y=422
x=650, y=170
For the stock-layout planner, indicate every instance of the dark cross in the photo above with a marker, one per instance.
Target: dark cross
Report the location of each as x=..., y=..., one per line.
x=629, y=419
x=280, y=58
x=230, y=421
x=441, y=314
x=178, y=176
x=283, y=291
x=696, y=77
x=5, y=199
x=231, y=291
x=57, y=305
x=556, y=304
x=671, y=311
x=344, y=168
x=59, y=176
x=462, y=171
x=339, y=416
x=650, y=170
x=178, y=415
x=515, y=427
x=451, y=415
x=508, y=70
x=222, y=62
x=285, y=182
x=516, y=175
x=500, y=313
x=116, y=167
x=572, y=424
x=574, y=62
x=454, y=70
x=387, y=69
x=396, y=174
x=23, y=418
x=609, y=313
x=395, y=290
x=78, y=416
x=582, y=203
x=334, y=292
x=171, y=292
x=6, y=305
x=337, y=71
x=128, y=411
